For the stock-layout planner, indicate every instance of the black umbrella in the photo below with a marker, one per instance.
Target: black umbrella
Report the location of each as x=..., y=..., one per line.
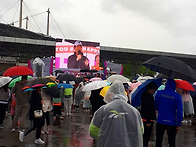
x=58, y=71
x=80, y=79
x=93, y=70
x=89, y=76
x=32, y=83
x=171, y=67
x=84, y=70
x=53, y=91
x=66, y=77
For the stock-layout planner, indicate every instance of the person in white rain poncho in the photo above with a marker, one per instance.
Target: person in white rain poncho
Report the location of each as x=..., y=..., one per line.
x=117, y=123
x=187, y=104
x=79, y=96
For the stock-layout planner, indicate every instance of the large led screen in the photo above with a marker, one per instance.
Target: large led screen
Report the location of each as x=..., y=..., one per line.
x=76, y=54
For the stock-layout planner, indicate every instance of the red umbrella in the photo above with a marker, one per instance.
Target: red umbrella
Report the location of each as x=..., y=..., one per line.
x=18, y=71
x=184, y=85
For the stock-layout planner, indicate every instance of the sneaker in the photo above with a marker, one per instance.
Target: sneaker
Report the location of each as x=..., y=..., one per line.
x=185, y=121
x=42, y=132
x=2, y=126
x=47, y=132
x=13, y=129
x=190, y=121
x=21, y=136
x=39, y=141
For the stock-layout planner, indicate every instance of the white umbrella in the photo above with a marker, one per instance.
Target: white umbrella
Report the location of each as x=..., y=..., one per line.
x=95, y=85
x=142, y=79
x=95, y=79
x=121, y=78
x=4, y=81
x=129, y=83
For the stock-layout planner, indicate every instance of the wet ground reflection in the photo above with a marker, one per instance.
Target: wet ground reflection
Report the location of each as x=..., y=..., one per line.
x=73, y=132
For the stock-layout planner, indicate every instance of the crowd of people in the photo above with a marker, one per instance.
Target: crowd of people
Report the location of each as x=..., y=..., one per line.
x=115, y=122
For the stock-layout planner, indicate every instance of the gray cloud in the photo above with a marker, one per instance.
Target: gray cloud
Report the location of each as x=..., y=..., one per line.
x=145, y=24
x=177, y=15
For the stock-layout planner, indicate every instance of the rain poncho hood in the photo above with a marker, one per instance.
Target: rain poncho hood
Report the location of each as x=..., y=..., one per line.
x=116, y=89
x=117, y=123
x=168, y=103
x=79, y=94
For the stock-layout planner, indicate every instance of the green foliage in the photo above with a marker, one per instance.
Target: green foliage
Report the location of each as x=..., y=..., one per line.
x=127, y=70
x=146, y=71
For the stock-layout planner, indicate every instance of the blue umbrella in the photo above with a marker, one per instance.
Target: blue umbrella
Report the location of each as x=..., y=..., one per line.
x=65, y=85
x=28, y=89
x=136, y=96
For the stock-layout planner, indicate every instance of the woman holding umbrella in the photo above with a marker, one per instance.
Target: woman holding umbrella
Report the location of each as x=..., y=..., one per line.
x=35, y=122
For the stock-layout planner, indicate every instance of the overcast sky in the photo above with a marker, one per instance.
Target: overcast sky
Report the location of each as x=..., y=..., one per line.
x=138, y=24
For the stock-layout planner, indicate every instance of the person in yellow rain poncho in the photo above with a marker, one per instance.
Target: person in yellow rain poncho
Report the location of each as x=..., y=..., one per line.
x=117, y=123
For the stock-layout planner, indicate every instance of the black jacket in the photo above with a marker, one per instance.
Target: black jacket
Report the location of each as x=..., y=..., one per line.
x=96, y=100
x=35, y=104
x=73, y=63
x=147, y=108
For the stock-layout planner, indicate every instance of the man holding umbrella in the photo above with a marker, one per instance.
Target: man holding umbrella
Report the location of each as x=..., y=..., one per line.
x=22, y=103
x=168, y=104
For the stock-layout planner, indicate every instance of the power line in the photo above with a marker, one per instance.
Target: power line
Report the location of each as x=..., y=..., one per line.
x=5, y=5
x=53, y=30
x=58, y=26
x=36, y=23
x=8, y=10
x=32, y=17
x=15, y=13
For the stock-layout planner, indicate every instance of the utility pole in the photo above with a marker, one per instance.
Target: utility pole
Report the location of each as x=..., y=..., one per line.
x=48, y=22
x=20, y=16
x=27, y=21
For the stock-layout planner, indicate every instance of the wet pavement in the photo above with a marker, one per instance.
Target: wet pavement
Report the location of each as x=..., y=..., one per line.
x=72, y=131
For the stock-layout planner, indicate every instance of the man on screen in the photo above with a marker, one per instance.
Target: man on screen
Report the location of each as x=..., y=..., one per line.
x=78, y=60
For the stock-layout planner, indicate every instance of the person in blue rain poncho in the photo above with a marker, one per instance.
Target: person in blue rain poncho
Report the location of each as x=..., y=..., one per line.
x=168, y=104
x=117, y=123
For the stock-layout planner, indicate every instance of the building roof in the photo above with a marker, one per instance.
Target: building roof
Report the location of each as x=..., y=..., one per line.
x=12, y=31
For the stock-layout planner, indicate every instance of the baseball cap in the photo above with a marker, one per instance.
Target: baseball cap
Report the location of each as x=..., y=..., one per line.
x=78, y=43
